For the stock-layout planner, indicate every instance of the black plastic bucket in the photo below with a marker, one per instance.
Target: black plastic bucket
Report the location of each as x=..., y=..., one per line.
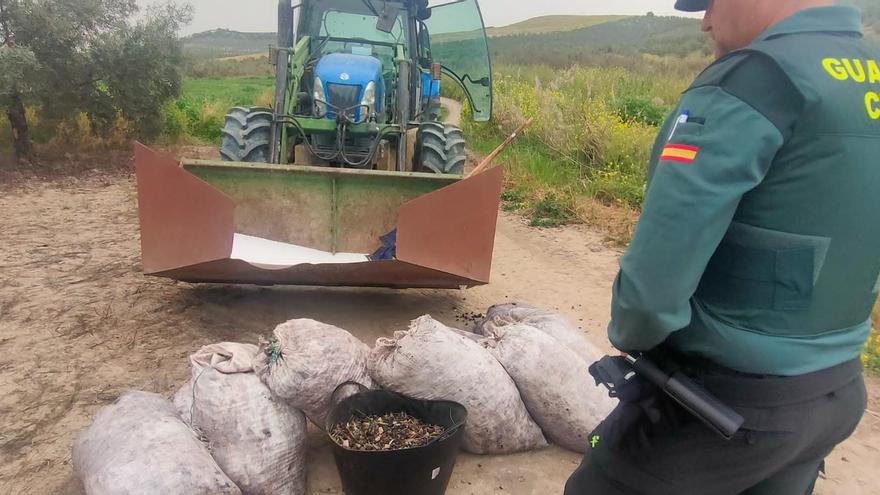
x=417, y=471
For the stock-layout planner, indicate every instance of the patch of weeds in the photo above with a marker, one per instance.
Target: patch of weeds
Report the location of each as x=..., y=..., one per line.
x=550, y=212
x=514, y=200
x=871, y=353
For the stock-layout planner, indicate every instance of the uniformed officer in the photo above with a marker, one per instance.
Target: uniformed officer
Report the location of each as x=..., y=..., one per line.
x=756, y=261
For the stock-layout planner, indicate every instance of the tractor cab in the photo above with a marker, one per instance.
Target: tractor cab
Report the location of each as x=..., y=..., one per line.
x=387, y=31
x=354, y=59
x=359, y=87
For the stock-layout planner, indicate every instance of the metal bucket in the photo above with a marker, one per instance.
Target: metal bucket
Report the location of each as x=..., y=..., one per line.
x=228, y=222
x=417, y=471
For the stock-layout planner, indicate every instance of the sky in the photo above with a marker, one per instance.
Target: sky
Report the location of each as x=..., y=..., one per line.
x=260, y=15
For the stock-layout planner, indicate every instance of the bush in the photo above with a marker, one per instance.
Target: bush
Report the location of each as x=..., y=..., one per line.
x=175, y=124
x=210, y=121
x=641, y=110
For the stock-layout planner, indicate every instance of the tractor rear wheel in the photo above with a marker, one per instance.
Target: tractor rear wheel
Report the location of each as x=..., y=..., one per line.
x=440, y=149
x=247, y=135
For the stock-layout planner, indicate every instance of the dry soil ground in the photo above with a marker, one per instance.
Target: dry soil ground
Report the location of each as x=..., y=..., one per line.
x=80, y=324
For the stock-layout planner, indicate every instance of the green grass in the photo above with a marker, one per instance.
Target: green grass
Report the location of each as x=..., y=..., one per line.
x=245, y=90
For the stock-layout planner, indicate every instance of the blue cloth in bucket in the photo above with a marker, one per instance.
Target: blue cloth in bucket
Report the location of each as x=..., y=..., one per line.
x=388, y=251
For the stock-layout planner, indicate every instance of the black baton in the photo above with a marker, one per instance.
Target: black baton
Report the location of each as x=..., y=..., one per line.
x=694, y=398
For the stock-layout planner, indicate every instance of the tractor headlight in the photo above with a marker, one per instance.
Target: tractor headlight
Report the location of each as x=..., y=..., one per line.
x=369, y=99
x=320, y=99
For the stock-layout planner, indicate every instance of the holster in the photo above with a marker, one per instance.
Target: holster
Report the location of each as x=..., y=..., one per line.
x=643, y=410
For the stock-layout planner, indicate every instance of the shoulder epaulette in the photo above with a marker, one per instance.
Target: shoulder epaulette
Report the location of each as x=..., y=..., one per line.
x=758, y=80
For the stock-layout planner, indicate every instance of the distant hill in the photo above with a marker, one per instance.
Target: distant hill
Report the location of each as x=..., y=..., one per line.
x=558, y=39
x=552, y=24
x=645, y=34
x=221, y=43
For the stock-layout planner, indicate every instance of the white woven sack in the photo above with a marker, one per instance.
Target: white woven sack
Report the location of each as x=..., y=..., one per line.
x=432, y=362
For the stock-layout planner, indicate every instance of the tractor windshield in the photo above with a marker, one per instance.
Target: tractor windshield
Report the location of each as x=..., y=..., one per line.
x=458, y=42
x=346, y=25
x=350, y=26
x=355, y=20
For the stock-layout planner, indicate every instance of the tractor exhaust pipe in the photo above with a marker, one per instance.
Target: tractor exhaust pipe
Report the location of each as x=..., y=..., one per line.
x=403, y=110
x=282, y=71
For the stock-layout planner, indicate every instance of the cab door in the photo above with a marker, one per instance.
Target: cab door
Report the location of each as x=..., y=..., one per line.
x=459, y=44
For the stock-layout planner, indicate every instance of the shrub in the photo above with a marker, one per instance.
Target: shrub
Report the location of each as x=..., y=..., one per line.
x=640, y=109
x=175, y=124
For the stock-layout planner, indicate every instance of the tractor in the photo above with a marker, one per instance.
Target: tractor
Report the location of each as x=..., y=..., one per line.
x=351, y=178
x=357, y=86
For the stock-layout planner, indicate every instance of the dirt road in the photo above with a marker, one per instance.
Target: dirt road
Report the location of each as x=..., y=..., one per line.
x=79, y=325
x=453, y=109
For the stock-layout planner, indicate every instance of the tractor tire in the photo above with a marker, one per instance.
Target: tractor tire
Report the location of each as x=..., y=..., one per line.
x=247, y=135
x=440, y=149
x=456, y=154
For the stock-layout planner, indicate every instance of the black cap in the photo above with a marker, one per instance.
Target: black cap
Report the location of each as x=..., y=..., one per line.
x=691, y=5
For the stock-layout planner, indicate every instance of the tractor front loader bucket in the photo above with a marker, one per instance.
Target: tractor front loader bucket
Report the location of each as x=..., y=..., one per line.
x=230, y=222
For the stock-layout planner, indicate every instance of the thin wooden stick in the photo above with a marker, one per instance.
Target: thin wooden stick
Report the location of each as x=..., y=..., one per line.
x=492, y=156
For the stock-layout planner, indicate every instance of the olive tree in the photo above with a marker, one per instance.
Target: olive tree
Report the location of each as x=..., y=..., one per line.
x=101, y=57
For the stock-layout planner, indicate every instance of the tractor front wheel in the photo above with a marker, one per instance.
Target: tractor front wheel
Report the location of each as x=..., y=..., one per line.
x=440, y=149
x=247, y=135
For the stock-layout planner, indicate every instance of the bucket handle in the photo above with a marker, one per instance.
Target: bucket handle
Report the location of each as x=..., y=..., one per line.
x=361, y=388
x=452, y=430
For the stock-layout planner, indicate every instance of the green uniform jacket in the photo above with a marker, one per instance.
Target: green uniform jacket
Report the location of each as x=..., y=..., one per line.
x=759, y=243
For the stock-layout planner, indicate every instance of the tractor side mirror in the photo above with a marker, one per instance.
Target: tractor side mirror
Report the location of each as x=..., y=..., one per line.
x=388, y=18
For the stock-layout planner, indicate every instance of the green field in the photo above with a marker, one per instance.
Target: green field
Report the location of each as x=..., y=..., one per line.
x=197, y=116
x=230, y=91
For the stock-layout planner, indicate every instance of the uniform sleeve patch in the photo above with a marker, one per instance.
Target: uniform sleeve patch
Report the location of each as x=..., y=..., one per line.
x=681, y=153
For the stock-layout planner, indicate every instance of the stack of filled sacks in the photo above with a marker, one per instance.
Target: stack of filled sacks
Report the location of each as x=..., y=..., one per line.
x=238, y=426
x=548, y=359
x=433, y=362
x=523, y=373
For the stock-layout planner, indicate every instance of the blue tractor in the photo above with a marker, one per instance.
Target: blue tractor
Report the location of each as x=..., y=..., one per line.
x=358, y=86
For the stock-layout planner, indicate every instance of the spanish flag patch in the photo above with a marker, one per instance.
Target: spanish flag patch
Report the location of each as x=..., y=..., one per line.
x=679, y=153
